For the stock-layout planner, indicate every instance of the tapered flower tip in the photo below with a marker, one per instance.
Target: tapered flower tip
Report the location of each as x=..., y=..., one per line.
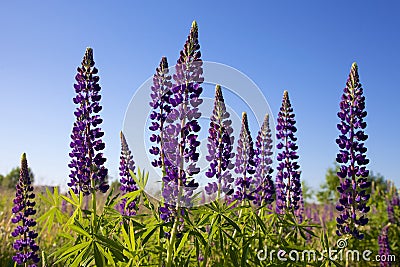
x=285, y=94
x=245, y=123
x=354, y=65
x=88, y=58
x=244, y=117
x=194, y=26
x=164, y=63
x=266, y=118
x=122, y=136
x=218, y=93
x=23, y=157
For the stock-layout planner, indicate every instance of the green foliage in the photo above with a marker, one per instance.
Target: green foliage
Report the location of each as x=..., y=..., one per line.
x=11, y=179
x=328, y=191
x=214, y=234
x=307, y=191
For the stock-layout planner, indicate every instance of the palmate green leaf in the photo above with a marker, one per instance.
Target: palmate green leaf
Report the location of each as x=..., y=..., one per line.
x=230, y=237
x=204, y=220
x=140, y=178
x=106, y=254
x=182, y=242
x=199, y=237
x=98, y=256
x=129, y=241
x=149, y=232
x=114, y=246
x=54, y=213
x=231, y=222
x=78, y=229
x=71, y=251
x=260, y=223
x=82, y=255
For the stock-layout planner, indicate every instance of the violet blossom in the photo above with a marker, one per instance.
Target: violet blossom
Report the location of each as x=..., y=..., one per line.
x=245, y=164
x=161, y=92
x=88, y=173
x=128, y=184
x=384, y=248
x=220, y=146
x=180, y=138
x=265, y=188
x=288, y=186
x=352, y=159
x=24, y=208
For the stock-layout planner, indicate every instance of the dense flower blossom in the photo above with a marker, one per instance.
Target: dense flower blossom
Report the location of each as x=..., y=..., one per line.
x=87, y=171
x=220, y=146
x=161, y=92
x=352, y=159
x=265, y=188
x=288, y=186
x=24, y=208
x=180, y=142
x=245, y=164
x=128, y=184
x=384, y=248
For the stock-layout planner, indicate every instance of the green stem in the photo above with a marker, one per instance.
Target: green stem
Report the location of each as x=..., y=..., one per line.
x=170, y=249
x=94, y=206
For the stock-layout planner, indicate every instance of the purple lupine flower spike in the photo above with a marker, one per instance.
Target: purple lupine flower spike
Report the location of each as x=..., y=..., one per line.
x=220, y=146
x=24, y=208
x=288, y=186
x=265, y=188
x=128, y=184
x=352, y=159
x=88, y=173
x=161, y=92
x=245, y=164
x=384, y=248
x=180, y=138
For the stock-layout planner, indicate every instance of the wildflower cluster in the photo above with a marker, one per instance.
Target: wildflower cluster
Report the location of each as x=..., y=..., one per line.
x=288, y=185
x=24, y=208
x=88, y=173
x=352, y=159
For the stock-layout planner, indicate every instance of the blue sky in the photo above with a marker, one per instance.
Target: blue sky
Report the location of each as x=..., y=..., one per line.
x=305, y=47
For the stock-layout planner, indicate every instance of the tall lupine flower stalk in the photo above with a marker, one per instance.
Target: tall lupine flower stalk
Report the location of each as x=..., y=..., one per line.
x=128, y=184
x=265, y=188
x=220, y=146
x=384, y=248
x=352, y=159
x=180, y=136
x=23, y=209
x=288, y=185
x=245, y=164
x=88, y=173
x=161, y=92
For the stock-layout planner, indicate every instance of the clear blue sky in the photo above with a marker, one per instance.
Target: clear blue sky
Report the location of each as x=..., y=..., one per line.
x=306, y=47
